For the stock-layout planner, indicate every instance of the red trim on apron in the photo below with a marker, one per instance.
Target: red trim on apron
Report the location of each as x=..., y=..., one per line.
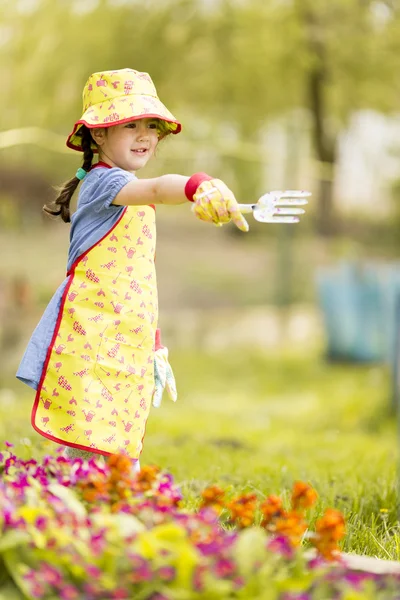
x=70, y=274
x=49, y=354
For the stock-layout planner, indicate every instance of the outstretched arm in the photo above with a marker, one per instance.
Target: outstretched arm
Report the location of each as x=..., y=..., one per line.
x=167, y=189
x=212, y=200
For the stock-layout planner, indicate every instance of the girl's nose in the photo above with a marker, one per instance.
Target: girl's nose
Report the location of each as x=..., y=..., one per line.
x=142, y=131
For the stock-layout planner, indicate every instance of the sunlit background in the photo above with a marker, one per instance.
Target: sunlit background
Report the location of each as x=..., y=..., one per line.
x=286, y=326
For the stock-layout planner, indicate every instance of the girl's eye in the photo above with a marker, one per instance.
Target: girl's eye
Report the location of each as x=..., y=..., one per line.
x=153, y=125
x=131, y=125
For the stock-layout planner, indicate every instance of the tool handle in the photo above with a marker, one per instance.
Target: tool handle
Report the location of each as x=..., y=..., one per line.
x=246, y=208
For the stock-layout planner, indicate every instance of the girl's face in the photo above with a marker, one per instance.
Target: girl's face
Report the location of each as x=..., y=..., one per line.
x=128, y=146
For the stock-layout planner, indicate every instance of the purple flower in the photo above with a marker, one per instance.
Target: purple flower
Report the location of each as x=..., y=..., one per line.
x=281, y=545
x=21, y=482
x=317, y=562
x=10, y=462
x=9, y=445
x=41, y=476
x=41, y=523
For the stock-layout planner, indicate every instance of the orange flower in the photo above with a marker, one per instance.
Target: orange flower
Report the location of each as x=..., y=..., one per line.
x=303, y=495
x=243, y=509
x=146, y=477
x=213, y=496
x=271, y=508
x=94, y=488
x=331, y=524
x=120, y=463
x=330, y=528
x=292, y=525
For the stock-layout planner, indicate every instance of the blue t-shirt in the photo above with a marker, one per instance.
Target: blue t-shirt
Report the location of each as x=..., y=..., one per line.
x=94, y=217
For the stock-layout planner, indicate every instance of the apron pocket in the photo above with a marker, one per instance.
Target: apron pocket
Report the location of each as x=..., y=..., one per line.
x=118, y=364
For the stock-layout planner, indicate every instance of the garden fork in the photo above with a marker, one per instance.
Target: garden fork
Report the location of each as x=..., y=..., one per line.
x=268, y=207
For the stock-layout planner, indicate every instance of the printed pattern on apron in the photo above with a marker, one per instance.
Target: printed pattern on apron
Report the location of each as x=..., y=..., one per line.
x=98, y=377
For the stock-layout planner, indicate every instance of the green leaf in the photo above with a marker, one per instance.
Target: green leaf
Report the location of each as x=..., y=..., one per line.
x=16, y=568
x=12, y=539
x=10, y=592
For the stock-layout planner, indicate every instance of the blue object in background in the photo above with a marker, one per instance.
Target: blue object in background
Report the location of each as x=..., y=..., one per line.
x=358, y=303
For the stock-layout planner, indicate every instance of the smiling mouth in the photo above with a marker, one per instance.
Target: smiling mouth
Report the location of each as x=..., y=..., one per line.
x=140, y=151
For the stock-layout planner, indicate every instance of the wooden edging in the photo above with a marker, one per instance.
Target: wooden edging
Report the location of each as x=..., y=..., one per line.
x=370, y=564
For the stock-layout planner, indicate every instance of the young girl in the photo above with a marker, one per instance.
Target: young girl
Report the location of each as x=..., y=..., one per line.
x=96, y=358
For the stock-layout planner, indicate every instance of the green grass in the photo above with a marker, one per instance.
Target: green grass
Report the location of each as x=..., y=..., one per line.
x=252, y=421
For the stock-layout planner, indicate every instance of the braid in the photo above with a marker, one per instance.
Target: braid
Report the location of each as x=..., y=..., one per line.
x=60, y=206
x=87, y=148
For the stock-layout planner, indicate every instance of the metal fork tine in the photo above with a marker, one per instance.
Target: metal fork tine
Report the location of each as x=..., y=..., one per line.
x=290, y=201
x=290, y=193
x=289, y=211
x=271, y=219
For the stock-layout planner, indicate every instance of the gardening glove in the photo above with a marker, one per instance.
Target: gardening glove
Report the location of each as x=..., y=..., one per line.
x=214, y=202
x=163, y=377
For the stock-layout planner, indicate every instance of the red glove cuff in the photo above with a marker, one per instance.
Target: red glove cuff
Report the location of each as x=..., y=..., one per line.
x=158, y=344
x=193, y=184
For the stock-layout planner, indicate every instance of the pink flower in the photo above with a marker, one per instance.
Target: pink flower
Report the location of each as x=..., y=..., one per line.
x=141, y=570
x=224, y=567
x=50, y=575
x=93, y=571
x=68, y=592
x=166, y=573
x=41, y=523
x=120, y=594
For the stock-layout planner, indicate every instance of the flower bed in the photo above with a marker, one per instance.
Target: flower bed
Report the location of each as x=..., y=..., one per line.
x=86, y=530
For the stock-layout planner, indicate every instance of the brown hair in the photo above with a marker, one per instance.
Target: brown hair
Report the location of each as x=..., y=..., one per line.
x=163, y=129
x=60, y=206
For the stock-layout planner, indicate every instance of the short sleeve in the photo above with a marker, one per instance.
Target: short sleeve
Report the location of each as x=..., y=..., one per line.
x=101, y=186
x=95, y=213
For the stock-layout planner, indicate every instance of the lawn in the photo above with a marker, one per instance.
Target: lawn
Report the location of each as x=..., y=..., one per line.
x=254, y=421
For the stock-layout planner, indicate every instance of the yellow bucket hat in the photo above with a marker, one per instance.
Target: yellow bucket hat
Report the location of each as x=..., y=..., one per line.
x=114, y=97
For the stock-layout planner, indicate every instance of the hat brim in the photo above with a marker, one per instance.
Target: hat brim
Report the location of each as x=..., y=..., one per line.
x=121, y=110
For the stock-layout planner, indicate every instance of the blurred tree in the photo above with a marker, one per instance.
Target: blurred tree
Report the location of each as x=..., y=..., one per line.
x=351, y=62
x=332, y=58
x=228, y=66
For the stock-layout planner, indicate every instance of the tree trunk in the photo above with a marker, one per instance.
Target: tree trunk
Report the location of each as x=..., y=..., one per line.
x=325, y=148
x=324, y=140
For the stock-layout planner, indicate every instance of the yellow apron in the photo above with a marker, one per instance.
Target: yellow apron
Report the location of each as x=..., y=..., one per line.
x=98, y=376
